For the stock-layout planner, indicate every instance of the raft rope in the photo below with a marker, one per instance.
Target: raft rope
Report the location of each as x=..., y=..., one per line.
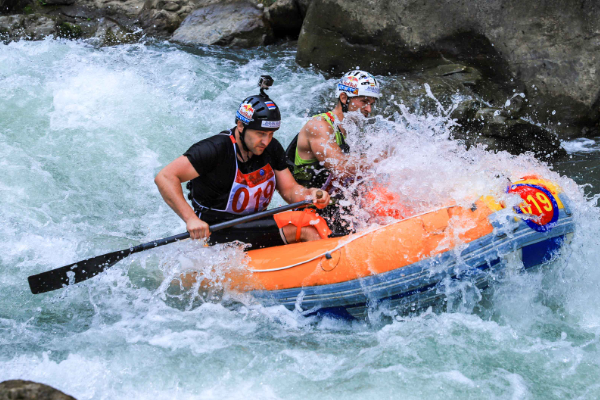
x=350, y=240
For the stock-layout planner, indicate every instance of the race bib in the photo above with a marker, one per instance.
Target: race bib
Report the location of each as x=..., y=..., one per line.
x=251, y=192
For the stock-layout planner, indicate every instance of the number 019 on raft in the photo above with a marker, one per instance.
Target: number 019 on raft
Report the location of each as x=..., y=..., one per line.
x=539, y=204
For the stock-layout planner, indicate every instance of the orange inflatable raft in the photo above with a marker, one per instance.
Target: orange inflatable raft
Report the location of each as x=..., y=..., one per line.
x=405, y=264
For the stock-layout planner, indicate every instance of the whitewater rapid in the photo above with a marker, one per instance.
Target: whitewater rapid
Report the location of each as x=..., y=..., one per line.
x=84, y=130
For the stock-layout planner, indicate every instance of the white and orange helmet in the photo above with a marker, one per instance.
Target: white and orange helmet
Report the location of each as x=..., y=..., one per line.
x=358, y=83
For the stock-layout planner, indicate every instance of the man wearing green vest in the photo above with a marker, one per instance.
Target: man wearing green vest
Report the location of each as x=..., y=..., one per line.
x=319, y=151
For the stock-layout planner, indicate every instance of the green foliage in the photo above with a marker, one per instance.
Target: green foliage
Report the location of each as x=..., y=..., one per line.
x=33, y=6
x=69, y=31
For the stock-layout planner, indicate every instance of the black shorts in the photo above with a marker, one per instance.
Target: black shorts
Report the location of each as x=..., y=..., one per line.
x=258, y=234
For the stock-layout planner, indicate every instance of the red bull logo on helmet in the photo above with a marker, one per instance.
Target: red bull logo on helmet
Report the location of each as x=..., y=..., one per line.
x=350, y=81
x=247, y=110
x=245, y=113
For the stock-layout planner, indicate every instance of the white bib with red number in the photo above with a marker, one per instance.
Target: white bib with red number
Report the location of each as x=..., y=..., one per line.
x=251, y=193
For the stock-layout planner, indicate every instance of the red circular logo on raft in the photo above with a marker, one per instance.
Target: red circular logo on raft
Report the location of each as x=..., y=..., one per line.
x=538, y=204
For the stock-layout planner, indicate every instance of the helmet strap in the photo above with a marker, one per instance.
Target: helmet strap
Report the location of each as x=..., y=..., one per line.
x=344, y=106
x=243, y=139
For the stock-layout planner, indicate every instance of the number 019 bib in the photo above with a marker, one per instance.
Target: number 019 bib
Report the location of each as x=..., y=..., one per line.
x=251, y=192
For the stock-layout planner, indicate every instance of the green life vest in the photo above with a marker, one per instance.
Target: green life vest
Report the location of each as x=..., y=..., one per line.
x=310, y=173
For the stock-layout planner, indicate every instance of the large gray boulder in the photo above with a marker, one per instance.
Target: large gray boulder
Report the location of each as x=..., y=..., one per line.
x=549, y=49
x=30, y=27
x=120, y=10
x=68, y=22
x=115, y=21
x=109, y=33
x=163, y=17
x=285, y=18
x=27, y=390
x=236, y=24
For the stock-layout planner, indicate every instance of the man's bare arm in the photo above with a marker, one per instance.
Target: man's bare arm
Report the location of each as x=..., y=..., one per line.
x=169, y=181
x=321, y=139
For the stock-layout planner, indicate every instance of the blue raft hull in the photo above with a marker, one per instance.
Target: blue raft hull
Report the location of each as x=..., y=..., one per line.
x=420, y=285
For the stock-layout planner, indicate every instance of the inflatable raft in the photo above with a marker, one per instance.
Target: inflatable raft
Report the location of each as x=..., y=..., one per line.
x=406, y=263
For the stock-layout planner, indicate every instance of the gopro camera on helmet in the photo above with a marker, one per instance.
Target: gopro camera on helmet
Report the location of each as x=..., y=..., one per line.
x=265, y=81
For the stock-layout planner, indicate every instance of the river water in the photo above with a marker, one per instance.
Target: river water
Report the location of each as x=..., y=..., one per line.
x=84, y=130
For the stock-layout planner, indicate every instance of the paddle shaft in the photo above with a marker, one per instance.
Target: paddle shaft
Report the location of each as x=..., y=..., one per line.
x=86, y=269
x=219, y=226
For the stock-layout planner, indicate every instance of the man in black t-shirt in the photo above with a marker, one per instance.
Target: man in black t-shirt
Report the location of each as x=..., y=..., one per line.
x=236, y=173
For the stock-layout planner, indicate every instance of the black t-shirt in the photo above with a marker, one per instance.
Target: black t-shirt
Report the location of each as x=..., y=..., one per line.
x=214, y=159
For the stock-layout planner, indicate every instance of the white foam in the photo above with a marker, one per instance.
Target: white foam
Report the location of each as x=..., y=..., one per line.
x=84, y=132
x=456, y=376
x=581, y=145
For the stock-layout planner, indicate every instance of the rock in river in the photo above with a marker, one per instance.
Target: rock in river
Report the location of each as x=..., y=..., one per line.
x=237, y=24
x=548, y=49
x=27, y=390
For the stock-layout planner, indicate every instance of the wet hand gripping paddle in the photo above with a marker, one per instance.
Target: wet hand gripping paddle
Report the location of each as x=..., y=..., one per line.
x=86, y=269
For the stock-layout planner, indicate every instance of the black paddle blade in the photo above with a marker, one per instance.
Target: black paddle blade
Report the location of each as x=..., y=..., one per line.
x=74, y=273
x=86, y=269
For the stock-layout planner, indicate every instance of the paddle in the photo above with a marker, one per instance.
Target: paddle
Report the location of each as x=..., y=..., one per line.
x=86, y=269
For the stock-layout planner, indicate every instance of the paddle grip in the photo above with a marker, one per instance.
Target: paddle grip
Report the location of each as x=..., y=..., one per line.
x=258, y=215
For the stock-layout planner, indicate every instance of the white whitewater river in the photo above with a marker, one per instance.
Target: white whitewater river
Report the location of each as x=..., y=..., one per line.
x=83, y=131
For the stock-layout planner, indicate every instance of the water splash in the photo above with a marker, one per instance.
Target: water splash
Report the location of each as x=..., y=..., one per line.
x=78, y=158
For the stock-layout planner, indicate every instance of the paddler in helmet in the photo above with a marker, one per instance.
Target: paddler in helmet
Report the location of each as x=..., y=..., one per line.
x=236, y=173
x=319, y=153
